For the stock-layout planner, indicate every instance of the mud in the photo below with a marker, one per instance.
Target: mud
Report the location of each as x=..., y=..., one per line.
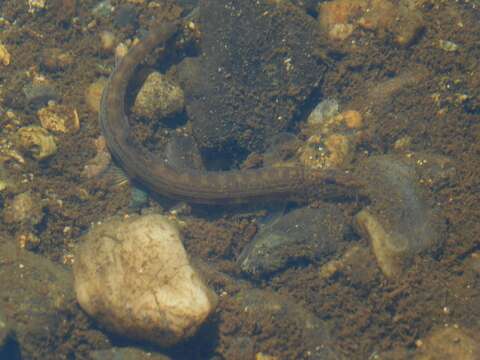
x=366, y=313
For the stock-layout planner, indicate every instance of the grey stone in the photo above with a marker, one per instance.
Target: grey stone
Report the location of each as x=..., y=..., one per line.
x=159, y=97
x=35, y=291
x=303, y=235
x=402, y=221
x=133, y=276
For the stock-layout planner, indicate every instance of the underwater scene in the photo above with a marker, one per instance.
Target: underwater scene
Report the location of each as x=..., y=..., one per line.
x=239, y=179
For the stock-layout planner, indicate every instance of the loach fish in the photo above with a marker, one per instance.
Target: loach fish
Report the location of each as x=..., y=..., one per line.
x=296, y=183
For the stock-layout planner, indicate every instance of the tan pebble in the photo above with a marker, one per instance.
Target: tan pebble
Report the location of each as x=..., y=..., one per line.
x=5, y=57
x=402, y=144
x=37, y=141
x=92, y=24
x=120, y=51
x=28, y=241
x=133, y=275
x=262, y=356
x=59, y=118
x=159, y=97
x=353, y=119
x=93, y=94
x=107, y=42
x=340, y=32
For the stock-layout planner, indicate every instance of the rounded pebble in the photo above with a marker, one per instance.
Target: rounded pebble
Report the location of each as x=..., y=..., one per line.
x=59, y=118
x=159, y=97
x=37, y=141
x=325, y=109
x=93, y=94
x=108, y=42
x=134, y=277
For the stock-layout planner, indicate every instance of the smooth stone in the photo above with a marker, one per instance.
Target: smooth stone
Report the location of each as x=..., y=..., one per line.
x=93, y=94
x=304, y=235
x=133, y=276
x=158, y=98
x=402, y=221
x=327, y=108
x=36, y=141
x=35, y=291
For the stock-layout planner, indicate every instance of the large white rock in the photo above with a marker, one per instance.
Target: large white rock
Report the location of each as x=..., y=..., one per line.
x=134, y=277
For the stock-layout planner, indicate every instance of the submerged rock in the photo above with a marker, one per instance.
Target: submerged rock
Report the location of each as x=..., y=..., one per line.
x=402, y=220
x=5, y=56
x=303, y=235
x=159, y=97
x=93, y=94
x=258, y=66
x=134, y=277
x=36, y=141
x=35, y=291
x=59, y=118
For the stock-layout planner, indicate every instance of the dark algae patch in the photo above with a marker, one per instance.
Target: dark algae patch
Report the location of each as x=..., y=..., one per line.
x=391, y=271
